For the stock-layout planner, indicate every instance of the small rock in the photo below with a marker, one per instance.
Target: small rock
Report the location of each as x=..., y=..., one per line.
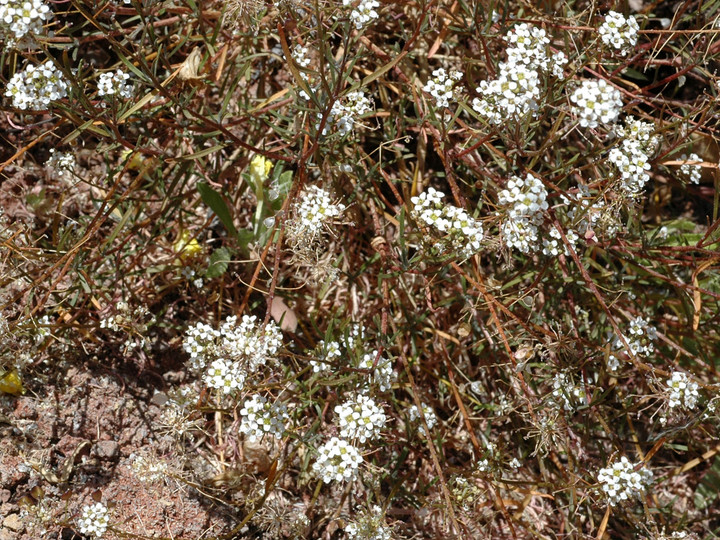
x=106, y=449
x=5, y=495
x=13, y=523
x=6, y=534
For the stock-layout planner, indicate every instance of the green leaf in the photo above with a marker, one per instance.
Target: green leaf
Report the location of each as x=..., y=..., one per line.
x=217, y=204
x=218, y=265
x=707, y=490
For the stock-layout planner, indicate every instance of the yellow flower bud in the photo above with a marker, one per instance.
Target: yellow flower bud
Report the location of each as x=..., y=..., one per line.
x=260, y=168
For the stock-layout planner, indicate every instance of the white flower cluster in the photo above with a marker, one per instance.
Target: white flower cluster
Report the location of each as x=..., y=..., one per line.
x=384, y=375
x=689, y=170
x=260, y=417
x=36, y=86
x=619, y=32
x=94, y=520
x=22, y=18
x=430, y=416
x=327, y=352
x=301, y=57
x=369, y=525
x=554, y=246
x=442, y=86
x=524, y=202
x=682, y=392
x=360, y=418
x=224, y=375
x=566, y=393
x=640, y=337
x=516, y=90
x=462, y=233
x=596, y=101
x=115, y=83
x=345, y=113
x=621, y=482
x=63, y=163
x=313, y=211
x=337, y=460
x=363, y=13
x=632, y=155
x=230, y=354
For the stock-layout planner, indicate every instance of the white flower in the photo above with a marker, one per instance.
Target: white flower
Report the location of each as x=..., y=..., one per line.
x=363, y=13
x=115, y=83
x=326, y=353
x=442, y=86
x=225, y=376
x=260, y=417
x=63, y=163
x=524, y=202
x=621, y=482
x=344, y=112
x=619, y=32
x=314, y=211
x=566, y=393
x=36, y=86
x=460, y=232
x=430, y=416
x=691, y=171
x=94, y=520
x=596, y=102
x=21, y=19
x=383, y=375
x=682, y=392
x=337, y=460
x=369, y=525
x=360, y=418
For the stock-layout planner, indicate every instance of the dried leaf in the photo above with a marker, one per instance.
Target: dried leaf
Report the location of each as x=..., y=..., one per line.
x=283, y=315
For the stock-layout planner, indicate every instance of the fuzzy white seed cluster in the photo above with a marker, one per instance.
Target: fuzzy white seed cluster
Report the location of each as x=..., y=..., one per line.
x=116, y=83
x=369, y=525
x=229, y=355
x=261, y=417
x=691, y=171
x=631, y=157
x=619, y=32
x=523, y=202
x=621, y=482
x=314, y=211
x=337, y=460
x=442, y=86
x=516, y=90
x=383, y=376
x=36, y=86
x=21, y=19
x=596, y=102
x=363, y=13
x=430, y=416
x=345, y=112
x=461, y=233
x=566, y=393
x=149, y=469
x=682, y=392
x=360, y=418
x=590, y=214
x=94, y=520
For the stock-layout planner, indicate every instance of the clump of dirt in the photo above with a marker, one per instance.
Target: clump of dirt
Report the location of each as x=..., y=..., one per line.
x=73, y=442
